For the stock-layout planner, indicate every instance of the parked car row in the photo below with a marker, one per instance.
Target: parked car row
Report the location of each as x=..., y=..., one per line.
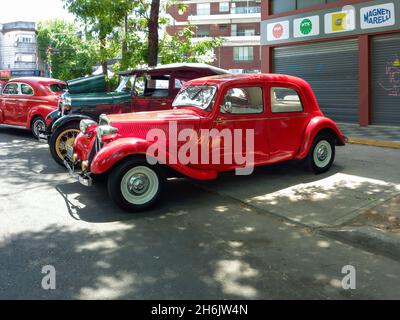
x=132, y=136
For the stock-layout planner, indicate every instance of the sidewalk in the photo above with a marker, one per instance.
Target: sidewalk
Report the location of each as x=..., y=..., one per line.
x=379, y=136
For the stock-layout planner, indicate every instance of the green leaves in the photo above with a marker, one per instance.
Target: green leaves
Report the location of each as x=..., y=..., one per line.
x=117, y=29
x=75, y=56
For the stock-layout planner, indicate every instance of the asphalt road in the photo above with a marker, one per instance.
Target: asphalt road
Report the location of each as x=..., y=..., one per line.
x=226, y=239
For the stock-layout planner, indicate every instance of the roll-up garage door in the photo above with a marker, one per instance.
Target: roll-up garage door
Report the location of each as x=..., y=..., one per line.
x=331, y=68
x=386, y=80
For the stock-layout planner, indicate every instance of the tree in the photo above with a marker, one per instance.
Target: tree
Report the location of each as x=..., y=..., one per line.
x=103, y=18
x=184, y=49
x=72, y=56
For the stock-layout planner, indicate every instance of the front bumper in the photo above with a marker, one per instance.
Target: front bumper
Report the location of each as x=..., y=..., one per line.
x=83, y=177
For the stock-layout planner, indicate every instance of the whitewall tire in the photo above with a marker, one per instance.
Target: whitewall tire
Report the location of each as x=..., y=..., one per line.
x=135, y=185
x=322, y=154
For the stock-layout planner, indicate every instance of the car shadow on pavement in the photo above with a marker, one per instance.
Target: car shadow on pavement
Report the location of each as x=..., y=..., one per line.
x=16, y=132
x=94, y=205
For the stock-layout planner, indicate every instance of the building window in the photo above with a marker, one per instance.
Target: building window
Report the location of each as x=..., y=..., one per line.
x=24, y=58
x=203, y=9
x=279, y=6
x=25, y=39
x=246, y=32
x=202, y=31
x=243, y=54
x=245, y=7
x=224, y=7
x=223, y=28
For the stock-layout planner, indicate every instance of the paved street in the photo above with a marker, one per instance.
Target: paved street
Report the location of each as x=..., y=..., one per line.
x=279, y=234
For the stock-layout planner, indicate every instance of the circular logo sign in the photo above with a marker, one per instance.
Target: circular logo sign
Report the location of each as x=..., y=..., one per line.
x=277, y=31
x=306, y=26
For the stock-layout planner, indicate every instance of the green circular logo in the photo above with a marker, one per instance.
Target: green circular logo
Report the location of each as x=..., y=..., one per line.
x=306, y=26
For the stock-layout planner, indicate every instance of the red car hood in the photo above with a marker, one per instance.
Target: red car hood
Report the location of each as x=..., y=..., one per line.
x=139, y=124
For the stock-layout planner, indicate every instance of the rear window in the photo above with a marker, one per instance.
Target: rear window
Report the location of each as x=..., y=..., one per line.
x=58, y=87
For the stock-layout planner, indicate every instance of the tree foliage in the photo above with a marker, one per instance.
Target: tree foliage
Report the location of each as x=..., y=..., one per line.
x=75, y=56
x=102, y=18
x=183, y=49
x=121, y=30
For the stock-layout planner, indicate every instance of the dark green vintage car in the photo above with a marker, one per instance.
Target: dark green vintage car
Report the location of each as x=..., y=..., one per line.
x=139, y=90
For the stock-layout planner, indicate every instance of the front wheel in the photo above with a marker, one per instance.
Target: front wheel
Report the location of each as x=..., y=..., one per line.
x=321, y=155
x=135, y=185
x=38, y=124
x=61, y=140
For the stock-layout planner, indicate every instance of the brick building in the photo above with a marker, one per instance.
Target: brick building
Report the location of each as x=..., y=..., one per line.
x=237, y=21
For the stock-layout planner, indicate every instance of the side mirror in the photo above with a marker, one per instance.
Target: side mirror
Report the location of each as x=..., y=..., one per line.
x=226, y=107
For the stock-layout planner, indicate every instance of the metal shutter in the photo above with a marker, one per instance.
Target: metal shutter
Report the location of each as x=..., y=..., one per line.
x=386, y=80
x=331, y=68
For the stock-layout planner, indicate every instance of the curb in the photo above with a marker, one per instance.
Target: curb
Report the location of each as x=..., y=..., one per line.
x=375, y=143
x=368, y=238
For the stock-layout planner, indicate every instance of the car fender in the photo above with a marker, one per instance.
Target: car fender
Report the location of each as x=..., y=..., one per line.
x=122, y=148
x=41, y=110
x=316, y=125
x=1, y=116
x=68, y=119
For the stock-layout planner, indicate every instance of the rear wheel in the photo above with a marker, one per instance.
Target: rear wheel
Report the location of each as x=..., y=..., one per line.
x=135, y=185
x=37, y=125
x=61, y=139
x=321, y=155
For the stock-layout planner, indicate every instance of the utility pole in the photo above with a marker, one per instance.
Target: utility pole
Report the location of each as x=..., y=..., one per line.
x=49, y=60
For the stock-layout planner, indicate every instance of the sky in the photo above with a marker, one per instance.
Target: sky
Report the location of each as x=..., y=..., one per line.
x=33, y=10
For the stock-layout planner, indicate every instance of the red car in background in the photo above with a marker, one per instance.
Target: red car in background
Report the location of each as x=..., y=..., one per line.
x=26, y=102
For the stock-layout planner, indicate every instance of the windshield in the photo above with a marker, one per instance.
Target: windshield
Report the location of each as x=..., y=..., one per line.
x=126, y=84
x=195, y=96
x=58, y=87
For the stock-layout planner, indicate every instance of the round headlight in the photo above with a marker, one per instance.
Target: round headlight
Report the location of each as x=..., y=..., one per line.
x=85, y=124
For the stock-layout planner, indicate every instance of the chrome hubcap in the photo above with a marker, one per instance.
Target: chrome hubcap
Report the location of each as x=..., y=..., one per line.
x=322, y=153
x=38, y=126
x=138, y=184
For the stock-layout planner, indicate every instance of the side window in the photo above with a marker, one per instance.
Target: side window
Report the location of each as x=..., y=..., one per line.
x=140, y=86
x=26, y=90
x=245, y=100
x=285, y=100
x=11, y=88
x=157, y=88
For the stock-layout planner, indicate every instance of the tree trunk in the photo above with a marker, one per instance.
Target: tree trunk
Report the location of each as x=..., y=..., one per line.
x=153, y=33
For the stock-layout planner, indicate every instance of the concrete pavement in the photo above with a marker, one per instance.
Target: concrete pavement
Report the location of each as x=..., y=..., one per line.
x=255, y=237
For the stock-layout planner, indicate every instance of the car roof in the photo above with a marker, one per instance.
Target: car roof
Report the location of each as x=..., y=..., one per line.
x=199, y=67
x=240, y=78
x=33, y=80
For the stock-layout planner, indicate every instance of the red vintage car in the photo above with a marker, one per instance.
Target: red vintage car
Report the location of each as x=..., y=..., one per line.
x=26, y=102
x=220, y=123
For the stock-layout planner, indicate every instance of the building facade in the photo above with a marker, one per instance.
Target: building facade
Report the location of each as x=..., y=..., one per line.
x=18, y=52
x=237, y=21
x=348, y=50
